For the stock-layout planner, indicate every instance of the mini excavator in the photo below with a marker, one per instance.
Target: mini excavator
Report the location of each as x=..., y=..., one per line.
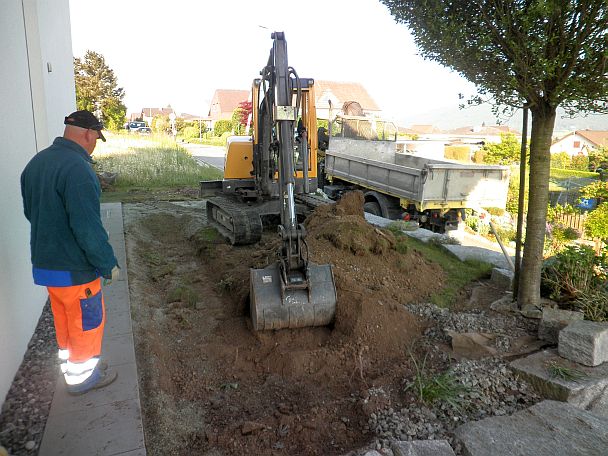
x=274, y=172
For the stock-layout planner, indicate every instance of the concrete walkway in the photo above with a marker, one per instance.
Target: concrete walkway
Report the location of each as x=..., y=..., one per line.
x=108, y=421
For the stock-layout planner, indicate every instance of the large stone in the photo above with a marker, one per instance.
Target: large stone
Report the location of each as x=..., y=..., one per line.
x=502, y=277
x=587, y=389
x=422, y=448
x=553, y=321
x=546, y=429
x=469, y=252
x=585, y=342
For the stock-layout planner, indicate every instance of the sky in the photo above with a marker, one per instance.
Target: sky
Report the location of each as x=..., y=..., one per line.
x=179, y=52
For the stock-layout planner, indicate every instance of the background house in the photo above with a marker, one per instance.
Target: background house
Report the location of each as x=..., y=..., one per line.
x=224, y=102
x=339, y=93
x=147, y=114
x=37, y=92
x=580, y=142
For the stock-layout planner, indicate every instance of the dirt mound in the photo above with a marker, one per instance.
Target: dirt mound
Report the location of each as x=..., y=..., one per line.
x=375, y=275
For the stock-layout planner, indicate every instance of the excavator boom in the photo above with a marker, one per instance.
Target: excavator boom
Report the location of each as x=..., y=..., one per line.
x=292, y=292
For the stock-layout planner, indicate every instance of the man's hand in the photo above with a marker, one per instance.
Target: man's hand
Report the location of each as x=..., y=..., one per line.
x=115, y=275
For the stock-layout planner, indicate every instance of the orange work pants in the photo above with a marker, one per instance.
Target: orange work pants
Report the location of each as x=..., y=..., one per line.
x=79, y=316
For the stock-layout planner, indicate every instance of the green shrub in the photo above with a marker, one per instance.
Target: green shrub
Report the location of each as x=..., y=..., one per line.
x=507, y=151
x=479, y=156
x=221, y=127
x=190, y=132
x=506, y=233
x=458, y=153
x=593, y=303
x=477, y=225
x=580, y=163
x=574, y=273
x=596, y=225
x=496, y=211
x=560, y=160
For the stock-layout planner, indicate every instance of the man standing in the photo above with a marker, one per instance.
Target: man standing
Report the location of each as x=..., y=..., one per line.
x=70, y=248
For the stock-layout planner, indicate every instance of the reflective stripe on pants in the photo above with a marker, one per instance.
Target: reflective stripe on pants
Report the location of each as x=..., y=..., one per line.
x=79, y=318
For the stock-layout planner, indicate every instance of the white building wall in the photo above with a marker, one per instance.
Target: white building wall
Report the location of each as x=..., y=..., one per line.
x=34, y=103
x=573, y=145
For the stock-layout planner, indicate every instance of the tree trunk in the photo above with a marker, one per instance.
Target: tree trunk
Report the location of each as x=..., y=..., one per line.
x=543, y=120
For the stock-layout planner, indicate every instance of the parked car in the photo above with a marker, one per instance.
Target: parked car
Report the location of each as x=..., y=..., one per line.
x=144, y=131
x=135, y=125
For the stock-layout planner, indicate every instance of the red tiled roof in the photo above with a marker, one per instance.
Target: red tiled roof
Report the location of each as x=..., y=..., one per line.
x=225, y=101
x=597, y=137
x=151, y=112
x=343, y=91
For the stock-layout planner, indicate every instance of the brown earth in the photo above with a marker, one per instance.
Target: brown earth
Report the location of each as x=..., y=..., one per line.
x=212, y=385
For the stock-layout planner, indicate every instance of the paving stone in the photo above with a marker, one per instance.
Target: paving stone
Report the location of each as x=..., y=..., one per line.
x=469, y=252
x=505, y=305
x=589, y=391
x=553, y=321
x=546, y=429
x=585, y=342
x=502, y=277
x=105, y=430
x=422, y=448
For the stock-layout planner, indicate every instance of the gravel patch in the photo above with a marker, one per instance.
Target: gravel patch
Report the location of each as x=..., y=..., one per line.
x=488, y=387
x=506, y=327
x=492, y=389
x=27, y=404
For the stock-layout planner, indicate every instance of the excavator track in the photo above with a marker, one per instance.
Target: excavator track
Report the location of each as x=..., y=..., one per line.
x=241, y=226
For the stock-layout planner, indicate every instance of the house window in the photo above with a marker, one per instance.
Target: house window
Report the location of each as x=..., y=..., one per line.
x=577, y=144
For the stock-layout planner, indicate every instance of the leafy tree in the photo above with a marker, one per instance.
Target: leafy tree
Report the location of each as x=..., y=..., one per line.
x=596, y=225
x=161, y=124
x=536, y=53
x=222, y=126
x=246, y=109
x=598, y=158
x=596, y=189
x=580, y=162
x=506, y=152
x=560, y=160
x=98, y=91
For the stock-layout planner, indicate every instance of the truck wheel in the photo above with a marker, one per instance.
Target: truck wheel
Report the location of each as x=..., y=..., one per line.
x=373, y=208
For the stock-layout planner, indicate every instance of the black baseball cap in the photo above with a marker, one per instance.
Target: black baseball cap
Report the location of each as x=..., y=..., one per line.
x=85, y=119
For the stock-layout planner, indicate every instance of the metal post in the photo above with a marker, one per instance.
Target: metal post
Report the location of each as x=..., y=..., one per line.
x=520, y=207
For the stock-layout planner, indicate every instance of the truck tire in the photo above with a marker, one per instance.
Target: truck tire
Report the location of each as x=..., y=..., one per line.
x=373, y=208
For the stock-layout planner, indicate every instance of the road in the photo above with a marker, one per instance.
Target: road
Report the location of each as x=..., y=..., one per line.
x=210, y=155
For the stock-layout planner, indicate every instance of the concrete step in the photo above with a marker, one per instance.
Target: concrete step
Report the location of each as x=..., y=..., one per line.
x=548, y=428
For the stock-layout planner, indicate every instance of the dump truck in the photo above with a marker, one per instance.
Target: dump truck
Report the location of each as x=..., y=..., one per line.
x=399, y=185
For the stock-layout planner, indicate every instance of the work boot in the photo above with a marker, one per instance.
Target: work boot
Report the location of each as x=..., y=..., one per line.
x=98, y=379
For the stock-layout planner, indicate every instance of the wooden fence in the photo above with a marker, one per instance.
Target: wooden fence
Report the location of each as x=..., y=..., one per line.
x=577, y=221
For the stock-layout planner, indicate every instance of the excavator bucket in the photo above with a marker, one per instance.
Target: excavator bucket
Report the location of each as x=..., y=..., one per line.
x=275, y=305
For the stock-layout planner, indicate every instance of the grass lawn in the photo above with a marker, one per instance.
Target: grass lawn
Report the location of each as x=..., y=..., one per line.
x=150, y=168
x=458, y=273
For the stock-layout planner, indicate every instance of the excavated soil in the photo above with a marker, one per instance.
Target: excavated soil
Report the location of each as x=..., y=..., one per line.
x=212, y=385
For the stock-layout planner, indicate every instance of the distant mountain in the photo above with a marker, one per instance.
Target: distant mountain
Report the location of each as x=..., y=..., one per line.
x=448, y=118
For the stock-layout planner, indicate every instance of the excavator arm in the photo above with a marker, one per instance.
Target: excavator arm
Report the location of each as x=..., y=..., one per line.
x=292, y=292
